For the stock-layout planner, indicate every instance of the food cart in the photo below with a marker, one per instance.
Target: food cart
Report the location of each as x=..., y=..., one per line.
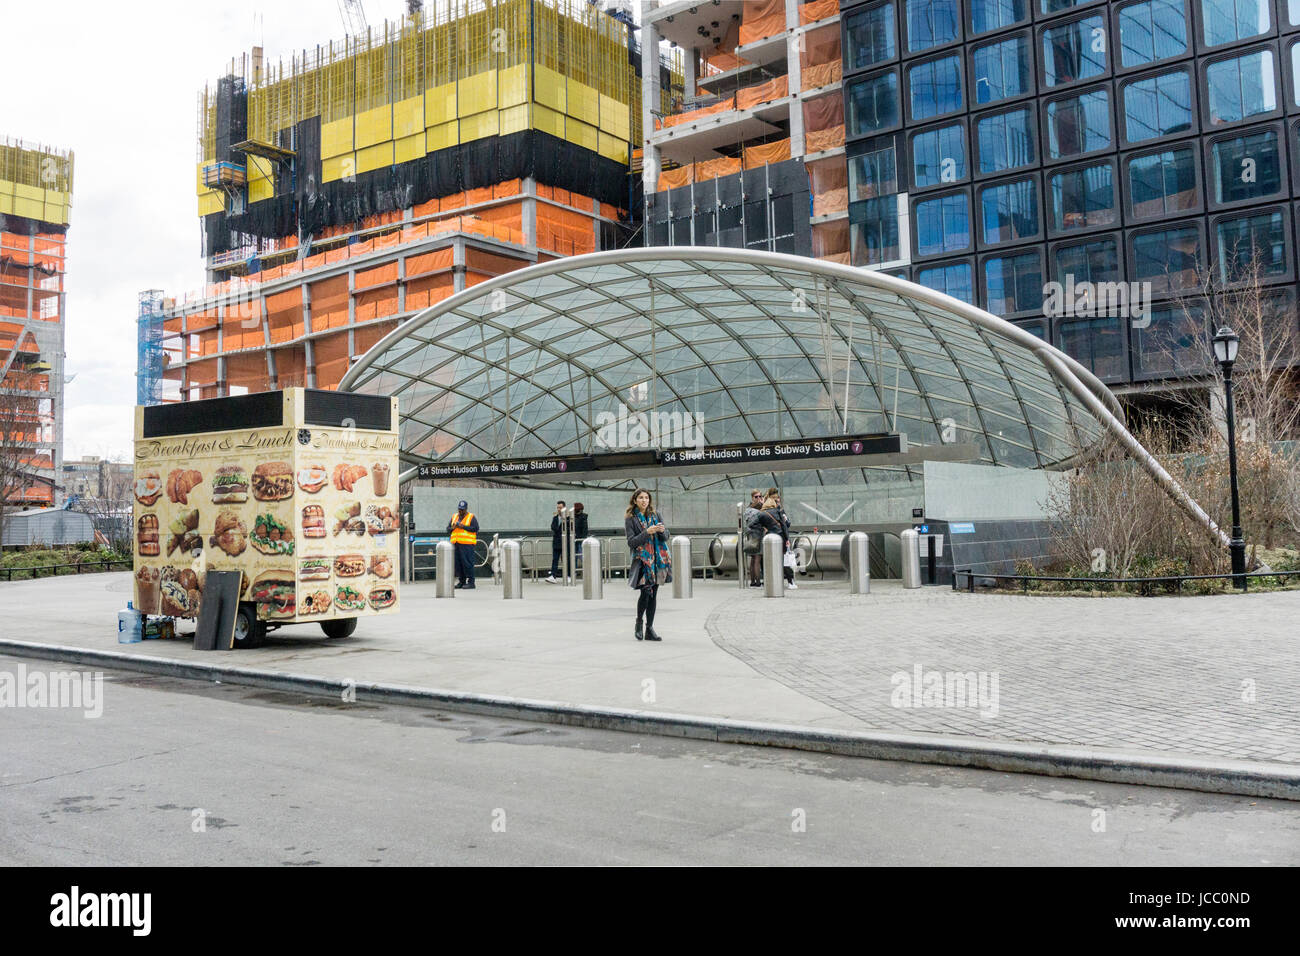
x=296, y=489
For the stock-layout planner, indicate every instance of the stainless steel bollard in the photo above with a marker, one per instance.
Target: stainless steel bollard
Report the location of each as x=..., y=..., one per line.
x=445, y=569
x=741, y=557
x=593, y=581
x=911, y=558
x=859, y=564
x=512, y=571
x=773, y=567
x=683, y=573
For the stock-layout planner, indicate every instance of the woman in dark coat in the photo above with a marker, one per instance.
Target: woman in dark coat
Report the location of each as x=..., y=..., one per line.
x=647, y=539
x=772, y=520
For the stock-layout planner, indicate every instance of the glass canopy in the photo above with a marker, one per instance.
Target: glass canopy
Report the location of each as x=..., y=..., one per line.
x=752, y=345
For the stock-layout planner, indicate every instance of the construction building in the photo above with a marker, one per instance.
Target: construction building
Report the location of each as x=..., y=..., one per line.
x=346, y=189
x=35, y=205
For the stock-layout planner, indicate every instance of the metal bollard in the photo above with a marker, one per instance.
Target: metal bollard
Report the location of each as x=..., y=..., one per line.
x=741, y=557
x=593, y=582
x=773, y=568
x=683, y=573
x=859, y=565
x=445, y=569
x=911, y=558
x=512, y=571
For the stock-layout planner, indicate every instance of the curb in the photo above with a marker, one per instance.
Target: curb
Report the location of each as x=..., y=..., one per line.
x=1183, y=772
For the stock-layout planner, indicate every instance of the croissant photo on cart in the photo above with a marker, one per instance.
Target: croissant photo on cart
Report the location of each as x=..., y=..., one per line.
x=180, y=482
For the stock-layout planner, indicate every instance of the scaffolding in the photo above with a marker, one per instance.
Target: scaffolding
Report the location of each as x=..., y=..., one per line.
x=149, y=359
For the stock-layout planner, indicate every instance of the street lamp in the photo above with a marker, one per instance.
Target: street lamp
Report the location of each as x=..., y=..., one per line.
x=1225, y=351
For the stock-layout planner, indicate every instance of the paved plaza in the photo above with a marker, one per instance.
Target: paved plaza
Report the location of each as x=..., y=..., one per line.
x=1206, y=676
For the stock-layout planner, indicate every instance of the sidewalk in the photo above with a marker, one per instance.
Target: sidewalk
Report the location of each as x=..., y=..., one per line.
x=1210, y=677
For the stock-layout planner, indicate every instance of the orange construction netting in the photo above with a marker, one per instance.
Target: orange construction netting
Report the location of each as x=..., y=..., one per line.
x=711, y=169
x=829, y=182
x=821, y=62
x=830, y=240
x=817, y=10
x=823, y=121
x=761, y=18
x=690, y=116
x=765, y=153
x=751, y=96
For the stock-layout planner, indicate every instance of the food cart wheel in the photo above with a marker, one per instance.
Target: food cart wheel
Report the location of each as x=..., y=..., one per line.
x=249, y=631
x=343, y=627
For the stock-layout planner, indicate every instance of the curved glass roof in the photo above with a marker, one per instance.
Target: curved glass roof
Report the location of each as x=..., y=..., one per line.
x=754, y=345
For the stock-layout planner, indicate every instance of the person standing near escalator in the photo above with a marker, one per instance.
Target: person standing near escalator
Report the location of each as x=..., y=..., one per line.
x=647, y=539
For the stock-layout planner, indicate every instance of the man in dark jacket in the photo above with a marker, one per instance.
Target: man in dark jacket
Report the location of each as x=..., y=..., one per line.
x=557, y=541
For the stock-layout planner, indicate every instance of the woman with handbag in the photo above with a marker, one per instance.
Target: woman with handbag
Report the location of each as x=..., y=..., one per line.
x=647, y=539
x=772, y=520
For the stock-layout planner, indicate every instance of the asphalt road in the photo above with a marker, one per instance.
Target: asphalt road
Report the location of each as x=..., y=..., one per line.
x=180, y=773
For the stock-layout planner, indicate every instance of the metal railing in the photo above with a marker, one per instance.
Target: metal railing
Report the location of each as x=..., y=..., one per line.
x=1166, y=584
x=93, y=566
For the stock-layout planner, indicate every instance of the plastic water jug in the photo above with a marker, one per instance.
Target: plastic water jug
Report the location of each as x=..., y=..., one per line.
x=130, y=626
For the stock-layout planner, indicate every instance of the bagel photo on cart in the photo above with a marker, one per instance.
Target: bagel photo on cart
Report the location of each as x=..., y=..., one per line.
x=294, y=489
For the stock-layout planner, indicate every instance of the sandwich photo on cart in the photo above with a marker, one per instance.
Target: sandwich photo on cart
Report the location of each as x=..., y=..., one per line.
x=289, y=488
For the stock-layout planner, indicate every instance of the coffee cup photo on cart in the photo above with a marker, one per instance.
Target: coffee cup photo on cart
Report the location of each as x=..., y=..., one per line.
x=294, y=489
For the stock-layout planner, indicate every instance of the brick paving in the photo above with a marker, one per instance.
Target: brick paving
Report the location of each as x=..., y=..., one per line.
x=1213, y=676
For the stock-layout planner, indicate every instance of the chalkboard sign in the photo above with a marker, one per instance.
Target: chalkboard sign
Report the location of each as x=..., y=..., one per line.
x=215, y=630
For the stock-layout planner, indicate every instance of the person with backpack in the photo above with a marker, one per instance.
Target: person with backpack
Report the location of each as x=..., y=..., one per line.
x=770, y=522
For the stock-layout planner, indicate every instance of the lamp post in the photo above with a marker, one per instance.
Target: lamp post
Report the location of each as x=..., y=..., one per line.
x=1225, y=351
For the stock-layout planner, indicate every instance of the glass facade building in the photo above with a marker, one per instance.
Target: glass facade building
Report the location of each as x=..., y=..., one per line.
x=1153, y=141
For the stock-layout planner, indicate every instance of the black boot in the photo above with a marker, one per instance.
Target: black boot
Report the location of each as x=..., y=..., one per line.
x=639, y=632
x=650, y=635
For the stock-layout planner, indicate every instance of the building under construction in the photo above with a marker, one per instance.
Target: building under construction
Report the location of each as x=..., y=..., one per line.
x=357, y=183
x=35, y=205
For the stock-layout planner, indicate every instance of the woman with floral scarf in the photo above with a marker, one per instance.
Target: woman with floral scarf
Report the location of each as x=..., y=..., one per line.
x=647, y=539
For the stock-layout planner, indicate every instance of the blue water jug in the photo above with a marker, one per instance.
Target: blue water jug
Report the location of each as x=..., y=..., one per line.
x=130, y=625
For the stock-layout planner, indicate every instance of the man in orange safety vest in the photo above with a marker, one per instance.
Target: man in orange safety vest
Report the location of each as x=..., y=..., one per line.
x=463, y=528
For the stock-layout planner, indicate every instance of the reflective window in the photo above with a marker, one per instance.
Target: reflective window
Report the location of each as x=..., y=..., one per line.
x=1095, y=261
x=1055, y=6
x=1247, y=167
x=1152, y=31
x=1009, y=211
x=1083, y=198
x=1074, y=51
x=1006, y=140
x=1251, y=243
x=1172, y=342
x=930, y=23
x=873, y=231
x=942, y=225
x=873, y=103
x=1246, y=86
x=988, y=15
x=935, y=87
x=1295, y=72
x=1013, y=284
x=1001, y=70
x=1157, y=106
x=1162, y=183
x=873, y=173
x=870, y=36
x=1226, y=21
x=939, y=156
x=1293, y=12
x=956, y=280
x=1096, y=344
x=1078, y=124
x=1169, y=260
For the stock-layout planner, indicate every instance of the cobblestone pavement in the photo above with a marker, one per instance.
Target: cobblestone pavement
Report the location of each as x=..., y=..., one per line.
x=1212, y=676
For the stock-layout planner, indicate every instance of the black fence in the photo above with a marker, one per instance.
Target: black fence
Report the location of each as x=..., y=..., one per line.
x=81, y=567
x=1171, y=584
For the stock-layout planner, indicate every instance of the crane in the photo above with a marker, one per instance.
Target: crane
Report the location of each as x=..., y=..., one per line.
x=353, y=15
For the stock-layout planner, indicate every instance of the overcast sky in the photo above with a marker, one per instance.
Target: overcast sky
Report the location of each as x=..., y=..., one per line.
x=118, y=82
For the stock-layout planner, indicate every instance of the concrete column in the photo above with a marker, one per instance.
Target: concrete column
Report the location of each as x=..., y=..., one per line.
x=529, y=211
x=689, y=69
x=458, y=263
x=650, y=90
x=352, y=315
x=794, y=44
x=401, y=285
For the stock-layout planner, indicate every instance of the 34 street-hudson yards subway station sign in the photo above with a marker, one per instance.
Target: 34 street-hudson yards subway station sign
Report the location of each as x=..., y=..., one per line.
x=844, y=451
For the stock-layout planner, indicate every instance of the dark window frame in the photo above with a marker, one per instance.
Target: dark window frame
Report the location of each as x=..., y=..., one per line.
x=919, y=257
x=904, y=40
x=1009, y=107
x=982, y=260
x=849, y=134
x=968, y=260
x=1131, y=217
x=1197, y=22
x=1119, y=69
x=1052, y=232
x=1045, y=135
x=977, y=211
x=1040, y=17
x=1284, y=186
x=1040, y=31
x=912, y=133
x=1131, y=79
x=1237, y=53
x=905, y=87
x=1135, y=353
x=856, y=71
x=1130, y=259
x=969, y=25
x=1288, y=237
x=993, y=39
